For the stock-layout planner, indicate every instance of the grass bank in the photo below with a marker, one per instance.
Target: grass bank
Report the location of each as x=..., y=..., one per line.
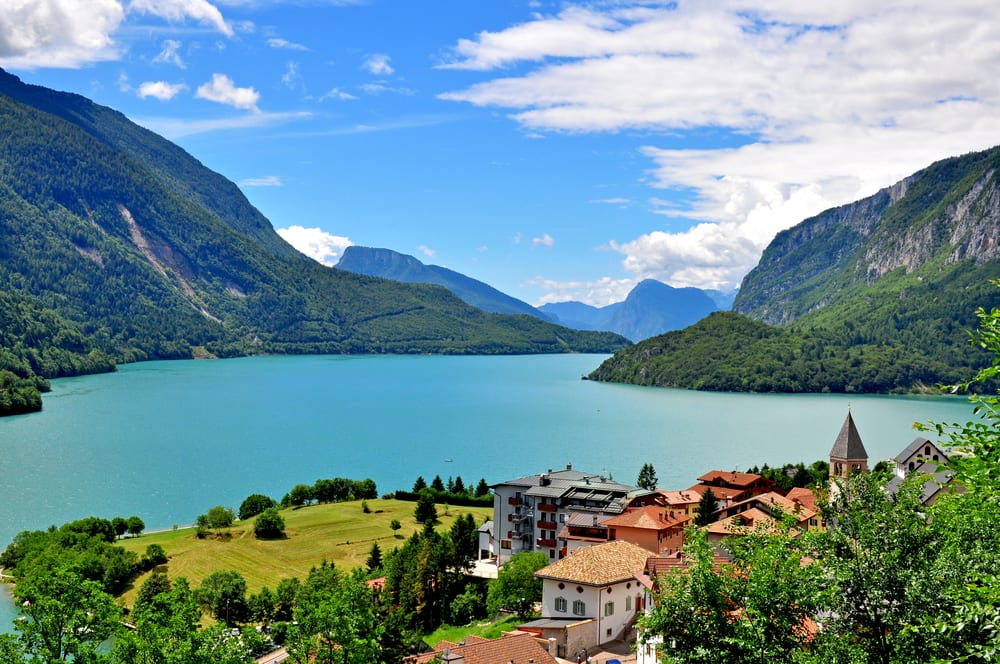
x=341, y=533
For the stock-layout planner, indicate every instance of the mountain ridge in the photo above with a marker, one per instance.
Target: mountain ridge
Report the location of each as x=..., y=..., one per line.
x=878, y=295
x=143, y=253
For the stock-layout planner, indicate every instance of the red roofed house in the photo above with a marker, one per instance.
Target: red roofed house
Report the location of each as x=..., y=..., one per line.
x=656, y=529
x=516, y=647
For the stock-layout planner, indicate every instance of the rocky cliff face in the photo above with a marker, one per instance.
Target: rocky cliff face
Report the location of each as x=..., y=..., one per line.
x=941, y=219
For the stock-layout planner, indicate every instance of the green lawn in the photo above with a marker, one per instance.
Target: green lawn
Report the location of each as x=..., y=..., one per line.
x=487, y=630
x=338, y=532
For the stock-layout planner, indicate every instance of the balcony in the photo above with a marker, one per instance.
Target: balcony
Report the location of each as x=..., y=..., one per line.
x=547, y=525
x=548, y=543
x=513, y=501
x=546, y=507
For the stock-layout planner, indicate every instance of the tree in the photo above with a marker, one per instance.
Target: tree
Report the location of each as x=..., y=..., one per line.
x=155, y=555
x=217, y=518
x=482, y=488
x=516, y=587
x=420, y=484
x=706, y=506
x=269, y=524
x=285, y=598
x=224, y=595
x=374, y=557
x=465, y=541
x=156, y=584
x=254, y=504
x=261, y=606
x=437, y=484
x=135, y=526
x=120, y=525
x=395, y=525
x=459, y=485
x=301, y=494
x=425, y=511
x=66, y=616
x=336, y=622
x=647, y=477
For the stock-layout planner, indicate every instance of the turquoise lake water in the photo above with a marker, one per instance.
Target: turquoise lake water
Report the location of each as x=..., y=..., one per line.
x=168, y=440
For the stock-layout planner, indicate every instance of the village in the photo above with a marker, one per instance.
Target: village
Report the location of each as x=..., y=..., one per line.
x=608, y=542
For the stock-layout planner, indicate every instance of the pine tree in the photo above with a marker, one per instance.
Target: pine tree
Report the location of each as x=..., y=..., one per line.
x=706, y=506
x=647, y=477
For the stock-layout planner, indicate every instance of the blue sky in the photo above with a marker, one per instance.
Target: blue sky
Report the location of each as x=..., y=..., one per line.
x=556, y=150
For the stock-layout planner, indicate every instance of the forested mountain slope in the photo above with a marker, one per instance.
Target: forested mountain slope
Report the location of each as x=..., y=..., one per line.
x=390, y=264
x=117, y=246
x=878, y=295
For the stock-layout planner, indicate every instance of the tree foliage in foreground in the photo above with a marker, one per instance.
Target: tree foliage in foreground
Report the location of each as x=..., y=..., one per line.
x=890, y=581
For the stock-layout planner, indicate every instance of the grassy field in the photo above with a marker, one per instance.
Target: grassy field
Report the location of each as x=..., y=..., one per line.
x=486, y=629
x=338, y=532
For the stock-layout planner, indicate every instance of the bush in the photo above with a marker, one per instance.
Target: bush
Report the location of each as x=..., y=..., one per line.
x=254, y=504
x=269, y=524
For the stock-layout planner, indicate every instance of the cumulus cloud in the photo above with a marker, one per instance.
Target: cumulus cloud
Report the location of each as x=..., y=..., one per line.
x=222, y=90
x=597, y=293
x=160, y=90
x=316, y=243
x=58, y=33
x=544, y=241
x=377, y=64
x=169, y=53
x=824, y=103
x=179, y=10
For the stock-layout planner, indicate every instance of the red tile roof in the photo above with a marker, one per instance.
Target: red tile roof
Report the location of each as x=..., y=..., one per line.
x=518, y=647
x=650, y=517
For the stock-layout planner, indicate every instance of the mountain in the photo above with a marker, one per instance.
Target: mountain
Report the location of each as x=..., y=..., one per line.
x=390, y=264
x=116, y=245
x=878, y=295
x=650, y=308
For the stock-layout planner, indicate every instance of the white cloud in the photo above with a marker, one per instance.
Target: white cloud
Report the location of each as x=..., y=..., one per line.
x=275, y=42
x=264, y=181
x=426, y=251
x=58, y=33
x=160, y=90
x=337, y=93
x=169, y=53
x=222, y=90
x=179, y=10
x=597, y=293
x=827, y=102
x=612, y=201
x=544, y=241
x=379, y=88
x=517, y=238
x=291, y=77
x=174, y=128
x=316, y=243
x=377, y=64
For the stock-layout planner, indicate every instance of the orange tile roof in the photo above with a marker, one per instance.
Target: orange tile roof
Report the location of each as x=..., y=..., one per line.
x=517, y=647
x=599, y=564
x=689, y=497
x=650, y=517
x=730, y=477
x=786, y=505
x=804, y=497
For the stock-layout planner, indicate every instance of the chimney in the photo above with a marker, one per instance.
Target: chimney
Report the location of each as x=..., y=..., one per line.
x=569, y=466
x=449, y=657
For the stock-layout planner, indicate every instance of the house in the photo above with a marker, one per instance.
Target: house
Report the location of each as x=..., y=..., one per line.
x=656, y=529
x=774, y=505
x=485, y=535
x=682, y=502
x=590, y=597
x=750, y=519
x=582, y=529
x=730, y=486
x=922, y=457
x=516, y=647
x=528, y=512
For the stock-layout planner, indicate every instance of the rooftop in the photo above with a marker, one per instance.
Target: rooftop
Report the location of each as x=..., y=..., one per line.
x=848, y=444
x=651, y=517
x=598, y=565
x=519, y=648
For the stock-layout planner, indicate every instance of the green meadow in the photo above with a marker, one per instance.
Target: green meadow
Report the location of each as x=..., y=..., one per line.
x=341, y=533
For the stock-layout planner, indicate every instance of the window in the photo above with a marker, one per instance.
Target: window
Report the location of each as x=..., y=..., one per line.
x=561, y=604
x=628, y=603
x=562, y=518
x=609, y=609
x=505, y=544
x=579, y=607
x=552, y=554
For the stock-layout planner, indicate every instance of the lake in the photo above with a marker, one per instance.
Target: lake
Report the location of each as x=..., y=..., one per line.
x=168, y=440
